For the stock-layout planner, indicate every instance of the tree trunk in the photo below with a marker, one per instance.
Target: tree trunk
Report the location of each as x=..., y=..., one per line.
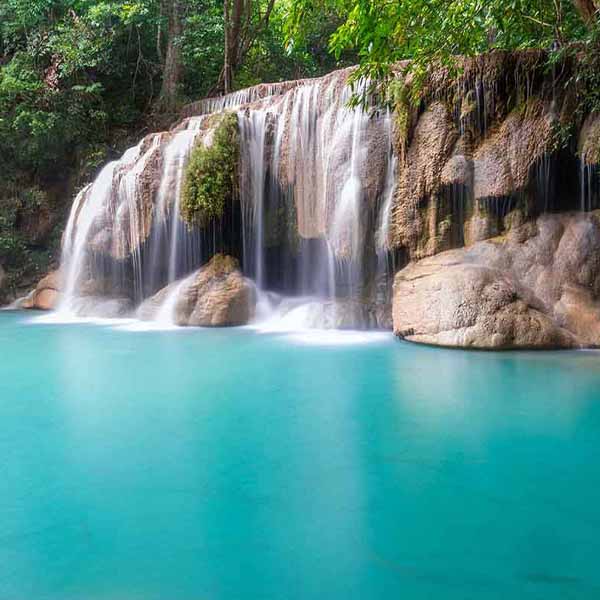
x=173, y=68
x=227, y=74
x=235, y=11
x=240, y=34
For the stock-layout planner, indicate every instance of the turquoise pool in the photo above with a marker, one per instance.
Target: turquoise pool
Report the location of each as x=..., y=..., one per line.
x=234, y=464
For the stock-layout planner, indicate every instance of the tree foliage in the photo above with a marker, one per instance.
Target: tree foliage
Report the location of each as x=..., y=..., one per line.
x=434, y=32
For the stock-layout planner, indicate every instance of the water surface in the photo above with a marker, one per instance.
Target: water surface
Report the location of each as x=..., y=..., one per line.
x=228, y=464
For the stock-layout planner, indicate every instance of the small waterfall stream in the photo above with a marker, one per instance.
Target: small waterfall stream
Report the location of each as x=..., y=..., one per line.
x=168, y=230
x=91, y=207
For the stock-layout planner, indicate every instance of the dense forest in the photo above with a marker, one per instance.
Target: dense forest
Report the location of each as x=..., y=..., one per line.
x=80, y=80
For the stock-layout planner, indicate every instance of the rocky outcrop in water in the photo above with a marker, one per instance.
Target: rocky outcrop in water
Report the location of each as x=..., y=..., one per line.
x=536, y=287
x=217, y=295
x=46, y=295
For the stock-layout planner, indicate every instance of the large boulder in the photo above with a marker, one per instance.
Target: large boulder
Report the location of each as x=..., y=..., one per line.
x=46, y=295
x=217, y=295
x=537, y=287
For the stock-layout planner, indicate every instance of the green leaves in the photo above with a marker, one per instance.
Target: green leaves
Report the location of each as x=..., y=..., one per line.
x=211, y=174
x=430, y=32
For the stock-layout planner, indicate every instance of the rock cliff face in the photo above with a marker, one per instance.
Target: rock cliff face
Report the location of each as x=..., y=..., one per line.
x=479, y=146
x=536, y=287
x=492, y=156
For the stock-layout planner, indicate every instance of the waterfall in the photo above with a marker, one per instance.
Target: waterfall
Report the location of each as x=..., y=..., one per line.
x=384, y=269
x=91, y=206
x=316, y=181
x=253, y=125
x=586, y=183
x=166, y=316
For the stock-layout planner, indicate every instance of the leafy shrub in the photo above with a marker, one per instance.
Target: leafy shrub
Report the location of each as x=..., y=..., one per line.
x=211, y=175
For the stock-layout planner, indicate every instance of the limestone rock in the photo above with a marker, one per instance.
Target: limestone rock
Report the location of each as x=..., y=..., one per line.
x=413, y=226
x=446, y=181
x=46, y=295
x=217, y=295
x=502, y=162
x=589, y=140
x=538, y=287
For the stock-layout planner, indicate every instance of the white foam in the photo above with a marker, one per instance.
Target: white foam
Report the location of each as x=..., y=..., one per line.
x=64, y=318
x=337, y=337
x=306, y=320
x=137, y=326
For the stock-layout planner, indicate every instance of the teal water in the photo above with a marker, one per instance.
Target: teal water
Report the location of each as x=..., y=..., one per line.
x=229, y=464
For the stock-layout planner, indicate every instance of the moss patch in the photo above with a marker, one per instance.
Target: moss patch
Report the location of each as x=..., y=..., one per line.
x=211, y=175
x=400, y=98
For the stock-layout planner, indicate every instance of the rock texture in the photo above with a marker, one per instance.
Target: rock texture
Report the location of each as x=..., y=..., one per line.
x=502, y=163
x=217, y=295
x=471, y=150
x=46, y=295
x=537, y=287
x=589, y=140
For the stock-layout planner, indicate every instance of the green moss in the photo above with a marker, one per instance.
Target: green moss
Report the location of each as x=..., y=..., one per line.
x=401, y=99
x=222, y=264
x=211, y=175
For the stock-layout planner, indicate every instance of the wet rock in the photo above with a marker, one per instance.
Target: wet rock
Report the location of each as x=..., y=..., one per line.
x=589, y=140
x=503, y=161
x=537, y=287
x=217, y=295
x=46, y=295
x=414, y=222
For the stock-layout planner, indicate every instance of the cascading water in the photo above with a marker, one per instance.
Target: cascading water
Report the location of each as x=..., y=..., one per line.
x=91, y=207
x=587, y=179
x=310, y=156
x=253, y=125
x=315, y=187
x=385, y=269
x=170, y=237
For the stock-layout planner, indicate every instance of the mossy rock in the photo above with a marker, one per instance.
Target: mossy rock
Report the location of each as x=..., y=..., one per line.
x=211, y=177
